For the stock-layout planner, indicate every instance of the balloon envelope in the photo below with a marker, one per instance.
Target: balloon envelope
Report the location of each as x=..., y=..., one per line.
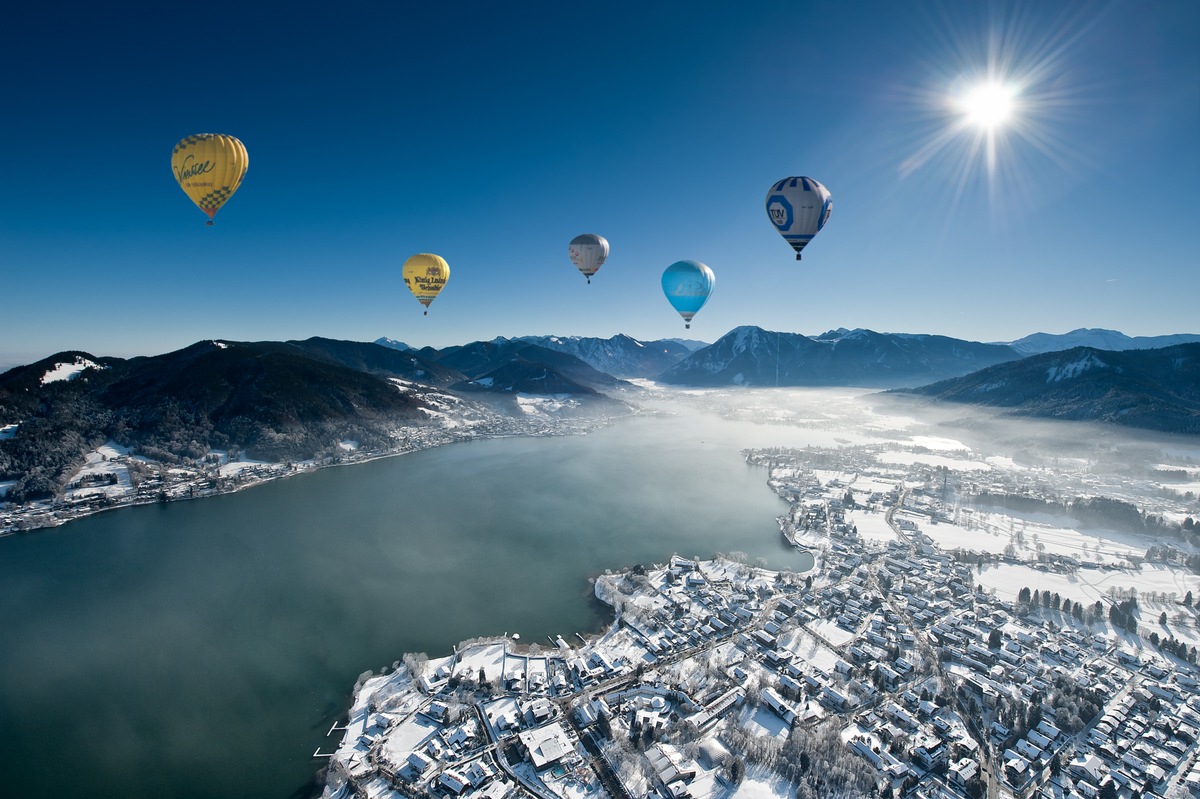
x=209, y=168
x=426, y=274
x=798, y=208
x=588, y=251
x=688, y=285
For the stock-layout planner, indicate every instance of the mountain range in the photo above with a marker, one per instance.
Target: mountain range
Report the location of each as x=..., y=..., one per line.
x=751, y=356
x=298, y=399
x=1155, y=389
x=1096, y=338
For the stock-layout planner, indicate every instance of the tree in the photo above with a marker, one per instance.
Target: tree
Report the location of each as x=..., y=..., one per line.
x=1024, y=596
x=1162, y=619
x=994, y=639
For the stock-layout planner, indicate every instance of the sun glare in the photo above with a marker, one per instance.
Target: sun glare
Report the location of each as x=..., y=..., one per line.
x=988, y=105
x=999, y=104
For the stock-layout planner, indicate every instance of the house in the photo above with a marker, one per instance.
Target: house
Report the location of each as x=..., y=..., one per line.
x=453, y=781
x=962, y=772
x=418, y=762
x=546, y=745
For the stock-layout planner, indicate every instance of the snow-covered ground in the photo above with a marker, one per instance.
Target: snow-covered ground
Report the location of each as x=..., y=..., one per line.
x=8, y=431
x=934, y=459
x=104, y=472
x=1087, y=585
x=69, y=370
x=871, y=526
x=809, y=649
x=542, y=405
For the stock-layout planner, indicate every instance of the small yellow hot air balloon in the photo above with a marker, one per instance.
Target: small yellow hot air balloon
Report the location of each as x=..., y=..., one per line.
x=426, y=274
x=209, y=168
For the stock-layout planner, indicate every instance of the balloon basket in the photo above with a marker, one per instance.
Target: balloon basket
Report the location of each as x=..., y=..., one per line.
x=797, y=256
x=209, y=223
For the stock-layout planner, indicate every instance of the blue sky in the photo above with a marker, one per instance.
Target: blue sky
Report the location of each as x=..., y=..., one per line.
x=494, y=133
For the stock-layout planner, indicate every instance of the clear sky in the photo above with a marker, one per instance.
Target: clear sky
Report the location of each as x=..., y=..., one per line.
x=492, y=133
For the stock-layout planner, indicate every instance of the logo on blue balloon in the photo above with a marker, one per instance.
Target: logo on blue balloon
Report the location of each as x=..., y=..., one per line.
x=780, y=211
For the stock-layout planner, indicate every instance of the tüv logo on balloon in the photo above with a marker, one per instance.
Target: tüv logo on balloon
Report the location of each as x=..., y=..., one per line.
x=780, y=212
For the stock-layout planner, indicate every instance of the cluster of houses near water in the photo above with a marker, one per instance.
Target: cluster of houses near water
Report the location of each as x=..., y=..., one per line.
x=934, y=687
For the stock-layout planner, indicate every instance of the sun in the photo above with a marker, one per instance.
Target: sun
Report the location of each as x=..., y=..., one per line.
x=1000, y=109
x=988, y=106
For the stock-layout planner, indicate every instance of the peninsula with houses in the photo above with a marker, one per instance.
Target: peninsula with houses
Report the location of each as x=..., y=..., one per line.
x=890, y=669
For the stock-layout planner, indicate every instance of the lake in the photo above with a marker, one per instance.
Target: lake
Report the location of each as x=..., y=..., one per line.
x=204, y=648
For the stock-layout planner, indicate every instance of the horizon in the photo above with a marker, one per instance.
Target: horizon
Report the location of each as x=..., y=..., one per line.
x=493, y=139
x=6, y=366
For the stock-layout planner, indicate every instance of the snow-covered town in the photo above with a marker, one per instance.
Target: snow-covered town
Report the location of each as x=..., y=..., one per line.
x=937, y=649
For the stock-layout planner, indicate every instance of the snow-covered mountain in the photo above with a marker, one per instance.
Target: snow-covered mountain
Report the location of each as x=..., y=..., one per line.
x=384, y=341
x=620, y=356
x=1157, y=389
x=1097, y=338
x=756, y=357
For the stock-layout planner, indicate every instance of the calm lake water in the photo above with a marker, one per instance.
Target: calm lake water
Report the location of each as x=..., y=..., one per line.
x=202, y=649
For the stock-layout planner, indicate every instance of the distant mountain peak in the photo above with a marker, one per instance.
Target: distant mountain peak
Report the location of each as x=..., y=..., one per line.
x=392, y=343
x=751, y=356
x=1098, y=338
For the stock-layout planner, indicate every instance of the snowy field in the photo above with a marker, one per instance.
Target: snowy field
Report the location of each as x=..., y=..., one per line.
x=808, y=648
x=871, y=526
x=103, y=463
x=1087, y=585
x=933, y=459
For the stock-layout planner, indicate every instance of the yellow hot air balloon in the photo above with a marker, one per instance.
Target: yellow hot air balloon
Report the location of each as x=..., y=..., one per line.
x=426, y=274
x=209, y=168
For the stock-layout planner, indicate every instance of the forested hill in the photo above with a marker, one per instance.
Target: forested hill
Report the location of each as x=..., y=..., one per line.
x=273, y=399
x=1151, y=389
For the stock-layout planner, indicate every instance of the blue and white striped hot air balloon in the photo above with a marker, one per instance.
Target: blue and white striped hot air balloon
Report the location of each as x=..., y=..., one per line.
x=688, y=285
x=799, y=207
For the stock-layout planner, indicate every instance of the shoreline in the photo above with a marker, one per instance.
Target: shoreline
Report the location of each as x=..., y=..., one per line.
x=49, y=514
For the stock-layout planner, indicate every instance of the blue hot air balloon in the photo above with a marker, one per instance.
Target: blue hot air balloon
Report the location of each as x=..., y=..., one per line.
x=799, y=207
x=688, y=285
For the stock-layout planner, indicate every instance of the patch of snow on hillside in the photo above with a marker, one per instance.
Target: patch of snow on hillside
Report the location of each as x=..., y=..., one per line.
x=221, y=345
x=4, y=486
x=68, y=371
x=349, y=445
x=8, y=430
x=446, y=421
x=538, y=404
x=1071, y=370
x=486, y=382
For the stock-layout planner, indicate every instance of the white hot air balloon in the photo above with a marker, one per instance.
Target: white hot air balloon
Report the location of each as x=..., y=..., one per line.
x=799, y=207
x=588, y=251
